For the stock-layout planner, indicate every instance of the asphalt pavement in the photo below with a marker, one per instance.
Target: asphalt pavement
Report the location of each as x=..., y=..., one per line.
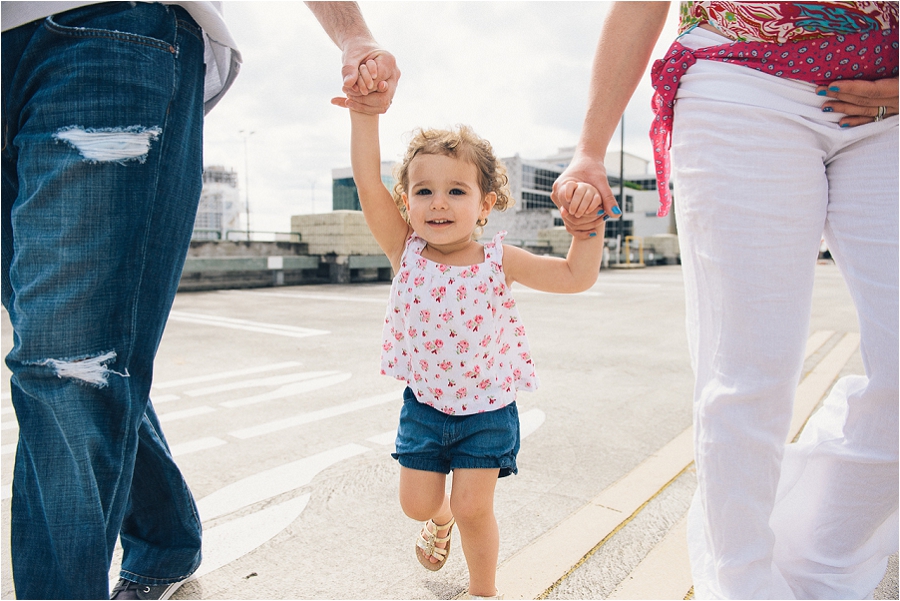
x=274, y=408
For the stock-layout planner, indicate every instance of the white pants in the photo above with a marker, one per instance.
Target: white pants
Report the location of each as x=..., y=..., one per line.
x=760, y=173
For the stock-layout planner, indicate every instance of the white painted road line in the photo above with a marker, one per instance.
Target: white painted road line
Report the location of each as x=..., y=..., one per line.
x=7, y=410
x=8, y=449
x=385, y=438
x=199, y=444
x=175, y=415
x=666, y=567
x=290, y=390
x=272, y=482
x=164, y=398
x=245, y=324
x=259, y=382
x=224, y=375
x=232, y=540
x=305, y=418
x=11, y=425
x=319, y=297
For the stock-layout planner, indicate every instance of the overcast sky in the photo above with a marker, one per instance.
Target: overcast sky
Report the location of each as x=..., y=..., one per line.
x=517, y=72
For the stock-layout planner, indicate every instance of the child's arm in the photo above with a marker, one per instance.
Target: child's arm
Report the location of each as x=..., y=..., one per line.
x=381, y=213
x=576, y=273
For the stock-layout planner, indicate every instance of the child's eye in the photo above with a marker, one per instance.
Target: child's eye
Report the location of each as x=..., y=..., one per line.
x=423, y=192
x=457, y=192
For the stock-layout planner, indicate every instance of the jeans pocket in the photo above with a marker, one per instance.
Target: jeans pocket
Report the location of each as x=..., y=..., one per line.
x=144, y=24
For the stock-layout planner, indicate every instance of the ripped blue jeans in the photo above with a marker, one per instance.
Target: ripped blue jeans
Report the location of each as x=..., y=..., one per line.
x=102, y=112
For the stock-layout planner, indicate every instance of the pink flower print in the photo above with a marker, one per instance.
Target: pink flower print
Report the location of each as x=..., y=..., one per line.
x=462, y=347
x=445, y=365
x=453, y=333
x=507, y=384
x=444, y=268
x=423, y=364
x=437, y=393
x=525, y=356
x=491, y=400
x=481, y=288
x=490, y=363
x=509, y=303
x=461, y=393
x=421, y=263
x=420, y=280
x=416, y=301
x=450, y=281
x=406, y=308
x=404, y=277
x=504, y=349
x=484, y=384
x=474, y=373
x=439, y=293
x=486, y=341
x=434, y=346
x=425, y=315
x=417, y=377
x=520, y=330
x=474, y=269
x=498, y=290
x=448, y=410
x=460, y=293
x=451, y=383
x=465, y=407
x=383, y=373
x=517, y=373
x=398, y=335
x=387, y=346
x=464, y=273
x=412, y=333
x=447, y=315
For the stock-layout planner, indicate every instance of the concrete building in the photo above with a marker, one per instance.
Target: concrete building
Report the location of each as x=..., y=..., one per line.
x=344, y=196
x=220, y=206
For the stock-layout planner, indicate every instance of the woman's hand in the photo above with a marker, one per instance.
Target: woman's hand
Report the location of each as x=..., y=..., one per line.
x=861, y=101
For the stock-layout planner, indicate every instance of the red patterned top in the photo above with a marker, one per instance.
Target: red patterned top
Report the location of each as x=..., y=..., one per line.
x=779, y=22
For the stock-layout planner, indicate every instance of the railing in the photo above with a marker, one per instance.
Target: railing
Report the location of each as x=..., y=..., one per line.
x=245, y=235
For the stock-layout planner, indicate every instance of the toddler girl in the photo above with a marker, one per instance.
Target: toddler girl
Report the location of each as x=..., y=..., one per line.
x=452, y=331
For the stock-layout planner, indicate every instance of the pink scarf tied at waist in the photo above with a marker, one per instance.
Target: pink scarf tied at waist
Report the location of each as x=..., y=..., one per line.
x=869, y=55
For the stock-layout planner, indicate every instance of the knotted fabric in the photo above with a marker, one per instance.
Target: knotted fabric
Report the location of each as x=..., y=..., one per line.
x=869, y=55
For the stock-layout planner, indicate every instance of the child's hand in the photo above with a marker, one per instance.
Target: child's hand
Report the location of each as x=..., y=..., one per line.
x=581, y=198
x=366, y=82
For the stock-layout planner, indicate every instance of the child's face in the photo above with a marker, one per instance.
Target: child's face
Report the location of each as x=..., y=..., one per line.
x=444, y=201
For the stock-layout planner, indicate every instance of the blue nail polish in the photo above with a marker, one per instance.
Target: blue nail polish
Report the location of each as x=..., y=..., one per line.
x=827, y=109
x=616, y=211
x=845, y=125
x=606, y=218
x=600, y=212
x=822, y=92
x=593, y=234
x=834, y=89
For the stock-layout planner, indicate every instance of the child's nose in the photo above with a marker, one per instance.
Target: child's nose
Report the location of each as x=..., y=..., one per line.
x=439, y=200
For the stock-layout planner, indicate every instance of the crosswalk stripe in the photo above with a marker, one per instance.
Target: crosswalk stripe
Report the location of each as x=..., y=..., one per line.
x=222, y=375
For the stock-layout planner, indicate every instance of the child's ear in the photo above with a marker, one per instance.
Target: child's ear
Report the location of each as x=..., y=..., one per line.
x=487, y=203
x=405, y=200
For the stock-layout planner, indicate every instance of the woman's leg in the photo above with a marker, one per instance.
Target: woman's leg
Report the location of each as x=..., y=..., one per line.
x=751, y=205
x=835, y=520
x=472, y=502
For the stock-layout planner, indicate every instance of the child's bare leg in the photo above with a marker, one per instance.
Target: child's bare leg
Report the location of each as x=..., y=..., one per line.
x=423, y=497
x=472, y=502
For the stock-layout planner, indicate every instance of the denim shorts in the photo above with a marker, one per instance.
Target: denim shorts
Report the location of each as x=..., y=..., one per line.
x=430, y=440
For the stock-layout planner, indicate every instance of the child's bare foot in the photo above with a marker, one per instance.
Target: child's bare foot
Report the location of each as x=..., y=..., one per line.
x=433, y=544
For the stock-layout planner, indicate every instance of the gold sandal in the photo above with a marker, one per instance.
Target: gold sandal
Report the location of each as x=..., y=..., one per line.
x=425, y=545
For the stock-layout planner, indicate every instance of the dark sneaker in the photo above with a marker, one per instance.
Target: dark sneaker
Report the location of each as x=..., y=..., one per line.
x=126, y=589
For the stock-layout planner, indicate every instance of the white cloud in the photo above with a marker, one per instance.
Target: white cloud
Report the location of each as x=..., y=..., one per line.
x=515, y=71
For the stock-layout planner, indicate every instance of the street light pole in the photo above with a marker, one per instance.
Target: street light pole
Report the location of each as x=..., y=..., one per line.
x=247, y=135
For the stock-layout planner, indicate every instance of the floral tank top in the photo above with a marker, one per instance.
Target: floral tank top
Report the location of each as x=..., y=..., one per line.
x=779, y=22
x=453, y=333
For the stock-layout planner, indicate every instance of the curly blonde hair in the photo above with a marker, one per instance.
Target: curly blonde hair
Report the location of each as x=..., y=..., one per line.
x=460, y=142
